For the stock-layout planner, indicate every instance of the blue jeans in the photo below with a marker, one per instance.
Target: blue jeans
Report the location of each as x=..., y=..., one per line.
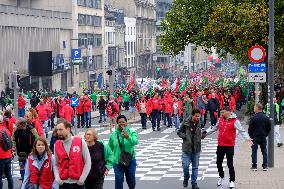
x=21, y=112
x=102, y=115
x=143, y=119
x=87, y=116
x=176, y=121
x=261, y=141
x=5, y=166
x=94, y=106
x=169, y=119
x=129, y=173
x=155, y=118
x=186, y=160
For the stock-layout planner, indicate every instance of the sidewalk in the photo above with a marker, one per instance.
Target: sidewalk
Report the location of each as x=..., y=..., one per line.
x=247, y=179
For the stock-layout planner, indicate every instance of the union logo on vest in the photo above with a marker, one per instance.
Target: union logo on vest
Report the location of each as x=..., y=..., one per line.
x=76, y=149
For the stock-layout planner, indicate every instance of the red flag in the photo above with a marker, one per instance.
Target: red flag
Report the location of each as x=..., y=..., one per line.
x=132, y=81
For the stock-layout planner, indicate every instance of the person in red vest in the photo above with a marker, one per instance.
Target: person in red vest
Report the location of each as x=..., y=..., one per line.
x=5, y=158
x=21, y=106
x=72, y=158
x=80, y=113
x=228, y=100
x=68, y=113
x=227, y=125
x=87, y=111
x=177, y=111
x=43, y=114
x=32, y=120
x=112, y=111
x=167, y=107
x=39, y=167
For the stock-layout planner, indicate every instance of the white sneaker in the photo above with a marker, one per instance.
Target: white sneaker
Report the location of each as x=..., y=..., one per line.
x=220, y=181
x=232, y=185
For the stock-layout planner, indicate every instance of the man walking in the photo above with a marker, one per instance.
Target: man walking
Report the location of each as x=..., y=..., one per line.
x=259, y=128
x=190, y=132
x=72, y=158
x=227, y=125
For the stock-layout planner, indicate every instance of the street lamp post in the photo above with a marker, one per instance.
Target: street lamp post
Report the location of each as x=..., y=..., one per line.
x=271, y=83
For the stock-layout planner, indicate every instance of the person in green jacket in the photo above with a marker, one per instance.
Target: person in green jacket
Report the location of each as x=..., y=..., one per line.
x=266, y=110
x=123, y=139
x=126, y=99
x=102, y=160
x=94, y=101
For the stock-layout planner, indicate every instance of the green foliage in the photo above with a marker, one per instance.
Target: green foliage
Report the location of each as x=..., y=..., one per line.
x=232, y=26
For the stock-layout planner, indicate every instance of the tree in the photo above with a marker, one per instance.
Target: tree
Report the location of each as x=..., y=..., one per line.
x=232, y=26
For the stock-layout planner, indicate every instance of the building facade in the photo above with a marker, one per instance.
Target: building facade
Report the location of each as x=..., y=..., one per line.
x=33, y=26
x=130, y=44
x=162, y=60
x=88, y=35
x=145, y=14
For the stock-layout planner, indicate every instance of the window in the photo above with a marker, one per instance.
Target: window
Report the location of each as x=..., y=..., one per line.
x=130, y=30
x=97, y=40
x=98, y=61
x=97, y=20
x=89, y=20
x=128, y=47
x=81, y=19
x=132, y=48
x=89, y=3
x=82, y=39
x=81, y=2
x=97, y=4
x=91, y=39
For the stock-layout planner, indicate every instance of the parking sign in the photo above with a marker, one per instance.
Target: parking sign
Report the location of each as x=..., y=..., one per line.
x=76, y=55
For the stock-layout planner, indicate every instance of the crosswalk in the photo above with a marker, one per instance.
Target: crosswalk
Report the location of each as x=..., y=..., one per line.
x=159, y=154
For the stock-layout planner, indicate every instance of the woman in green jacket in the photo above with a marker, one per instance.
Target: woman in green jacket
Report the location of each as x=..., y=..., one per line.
x=122, y=142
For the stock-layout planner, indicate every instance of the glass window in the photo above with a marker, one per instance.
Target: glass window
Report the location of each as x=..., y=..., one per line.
x=89, y=3
x=82, y=39
x=81, y=2
x=91, y=39
x=132, y=50
x=81, y=19
x=128, y=47
x=97, y=40
x=97, y=20
x=89, y=20
x=97, y=4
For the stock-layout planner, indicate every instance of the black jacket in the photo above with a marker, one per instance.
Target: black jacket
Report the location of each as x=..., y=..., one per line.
x=191, y=136
x=259, y=125
x=213, y=105
x=102, y=104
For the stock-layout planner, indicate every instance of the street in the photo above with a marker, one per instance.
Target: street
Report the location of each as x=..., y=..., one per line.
x=158, y=159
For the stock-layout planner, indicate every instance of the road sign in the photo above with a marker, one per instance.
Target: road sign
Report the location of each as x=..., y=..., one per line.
x=256, y=54
x=74, y=101
x=76, y=55
x=257, y=67
x=257, y=77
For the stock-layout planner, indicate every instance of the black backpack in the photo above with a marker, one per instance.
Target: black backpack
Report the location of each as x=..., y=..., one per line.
x=5, y=140
x=24, y=139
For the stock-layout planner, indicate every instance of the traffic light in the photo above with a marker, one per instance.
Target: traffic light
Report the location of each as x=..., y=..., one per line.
x=158, y=69
x=109, y=72
x=19, y=83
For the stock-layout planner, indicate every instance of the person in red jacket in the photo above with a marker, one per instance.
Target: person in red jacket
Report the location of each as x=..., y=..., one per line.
x=156, y=105
x=39, y=161
x=112, y=111
x=227, y=125
x=43, y=115
x=87, y=111
x=68, y=113
x=80, y=113
x=9, y=120
x=177, y=111
x=21, y=106
x=228, y=100
x=167, y=107
x=31, y=118
x=5, y=158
